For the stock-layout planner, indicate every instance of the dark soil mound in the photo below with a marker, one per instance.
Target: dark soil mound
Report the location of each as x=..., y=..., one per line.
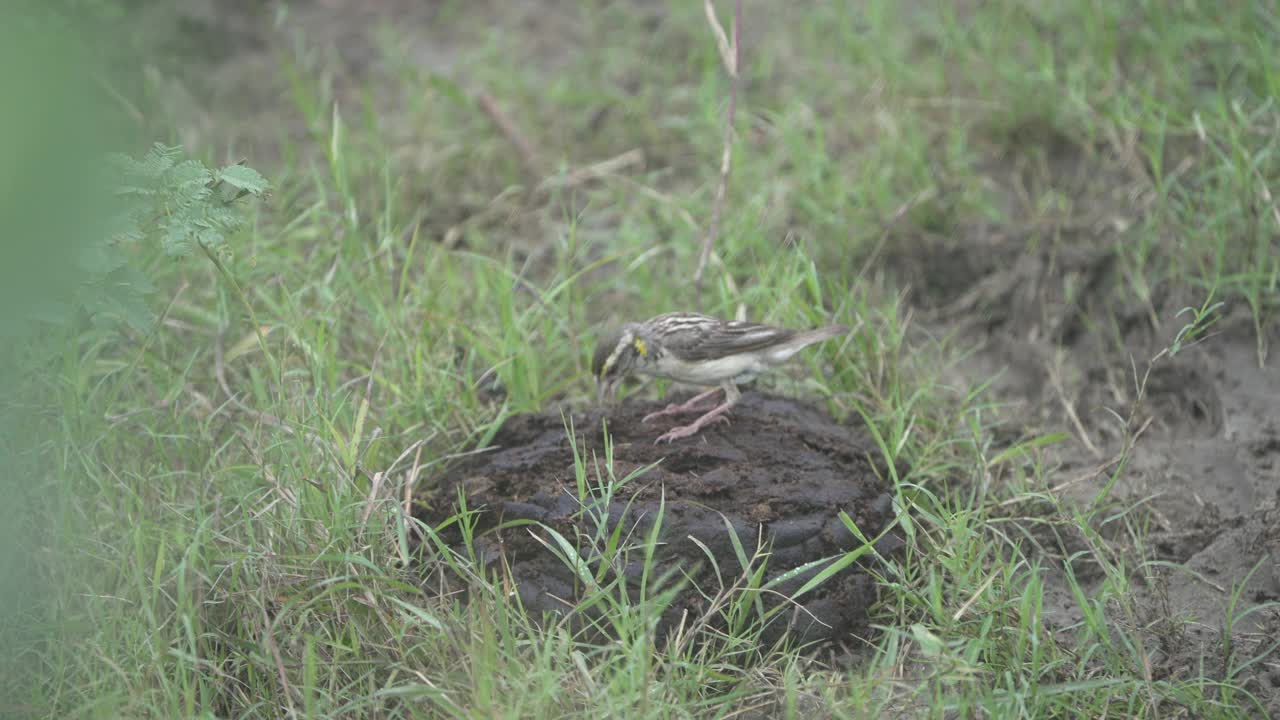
x=779, y=475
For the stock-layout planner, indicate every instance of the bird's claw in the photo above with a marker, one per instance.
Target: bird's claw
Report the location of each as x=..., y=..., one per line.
x=685, y=431
x=671, y=409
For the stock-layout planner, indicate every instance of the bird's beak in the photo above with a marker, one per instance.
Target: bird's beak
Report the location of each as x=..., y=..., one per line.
x=605, y=389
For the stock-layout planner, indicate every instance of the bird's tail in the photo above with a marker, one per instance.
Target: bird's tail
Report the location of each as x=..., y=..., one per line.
x=805, y=338
x=817, y=335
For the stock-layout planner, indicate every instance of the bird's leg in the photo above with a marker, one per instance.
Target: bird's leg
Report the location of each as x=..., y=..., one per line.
x=693, y=404
x=715, y=415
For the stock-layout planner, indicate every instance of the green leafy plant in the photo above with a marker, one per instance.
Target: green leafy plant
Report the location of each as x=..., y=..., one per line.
x=81, y=229
x=182, y=204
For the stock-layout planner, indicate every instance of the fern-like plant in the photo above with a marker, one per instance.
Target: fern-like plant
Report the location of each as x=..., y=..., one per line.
x=162, y=197
x=178, y=202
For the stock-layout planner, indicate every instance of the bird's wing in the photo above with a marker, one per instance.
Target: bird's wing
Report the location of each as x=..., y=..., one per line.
x=706, y=338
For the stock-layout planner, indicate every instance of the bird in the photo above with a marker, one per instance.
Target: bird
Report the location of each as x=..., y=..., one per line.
x=698, y=350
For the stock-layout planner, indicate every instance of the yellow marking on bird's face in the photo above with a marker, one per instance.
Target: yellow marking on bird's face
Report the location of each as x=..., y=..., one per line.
x=640, y=347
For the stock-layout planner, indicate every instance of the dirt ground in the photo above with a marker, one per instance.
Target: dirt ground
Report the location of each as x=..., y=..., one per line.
x=1067, y=349
x=777, y=477
x=1204, y=472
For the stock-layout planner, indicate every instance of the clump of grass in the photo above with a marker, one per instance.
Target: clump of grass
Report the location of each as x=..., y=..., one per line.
x=221, y=511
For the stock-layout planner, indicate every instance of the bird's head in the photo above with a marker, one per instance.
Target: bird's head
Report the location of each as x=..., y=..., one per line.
x=616, y=357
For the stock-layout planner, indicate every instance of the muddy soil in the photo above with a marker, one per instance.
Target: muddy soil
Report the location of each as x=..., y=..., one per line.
x=1067, y=348
x=777, y=478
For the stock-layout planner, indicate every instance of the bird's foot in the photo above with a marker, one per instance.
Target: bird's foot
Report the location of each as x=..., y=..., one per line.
x=693, y=404
x=718, y=415
x=671, y=410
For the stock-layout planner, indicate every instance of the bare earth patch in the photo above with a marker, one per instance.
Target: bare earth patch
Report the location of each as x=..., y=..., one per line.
x=778, y=476
x=1066, y=349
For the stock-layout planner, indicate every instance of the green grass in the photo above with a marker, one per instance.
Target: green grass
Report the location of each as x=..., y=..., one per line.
x=195, y=550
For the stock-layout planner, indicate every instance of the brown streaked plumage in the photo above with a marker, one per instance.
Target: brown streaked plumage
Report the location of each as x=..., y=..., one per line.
x=699, y=350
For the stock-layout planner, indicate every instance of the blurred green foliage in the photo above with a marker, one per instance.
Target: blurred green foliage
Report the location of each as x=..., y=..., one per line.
x=52, y=124
x=53, y=127
x=77, y=225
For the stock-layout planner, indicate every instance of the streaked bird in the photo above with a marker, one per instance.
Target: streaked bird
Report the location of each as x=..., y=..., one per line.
x=699, y=350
